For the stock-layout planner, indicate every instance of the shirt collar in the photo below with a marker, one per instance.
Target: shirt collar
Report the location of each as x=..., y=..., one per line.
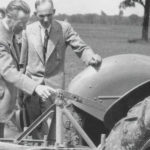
x=5, y=25
x=42, y=28
x=7, y=28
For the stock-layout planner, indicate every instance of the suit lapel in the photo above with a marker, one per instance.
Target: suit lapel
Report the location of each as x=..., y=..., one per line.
x=53, y=39
x=37, y=39
x=8, y=37
x=13, y=52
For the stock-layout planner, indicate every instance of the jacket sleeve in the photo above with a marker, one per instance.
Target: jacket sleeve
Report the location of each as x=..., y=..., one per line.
x=9, y=72
x=77, y=44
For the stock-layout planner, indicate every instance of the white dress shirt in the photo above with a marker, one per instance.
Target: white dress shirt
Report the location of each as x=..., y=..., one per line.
x=43, y=32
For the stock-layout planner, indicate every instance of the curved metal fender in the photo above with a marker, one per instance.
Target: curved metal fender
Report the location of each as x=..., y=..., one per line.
x=120, y=107
x=117, y=75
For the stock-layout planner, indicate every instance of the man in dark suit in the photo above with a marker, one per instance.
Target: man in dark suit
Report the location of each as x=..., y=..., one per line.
x=17, y=15
x=44, y=44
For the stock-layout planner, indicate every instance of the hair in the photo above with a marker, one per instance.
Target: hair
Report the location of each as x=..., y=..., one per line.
x=38, y=2
x=17, y=5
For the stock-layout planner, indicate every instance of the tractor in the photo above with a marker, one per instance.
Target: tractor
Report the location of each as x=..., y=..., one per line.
x=113, y=99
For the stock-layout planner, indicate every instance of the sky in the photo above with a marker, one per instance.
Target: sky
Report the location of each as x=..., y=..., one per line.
x=110, y=7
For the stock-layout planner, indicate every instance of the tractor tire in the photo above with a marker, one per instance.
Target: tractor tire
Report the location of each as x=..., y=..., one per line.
x=132, y=131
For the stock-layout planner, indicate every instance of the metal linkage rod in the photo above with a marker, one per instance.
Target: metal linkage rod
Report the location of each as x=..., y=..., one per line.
x=58, y=123
x=40, y=119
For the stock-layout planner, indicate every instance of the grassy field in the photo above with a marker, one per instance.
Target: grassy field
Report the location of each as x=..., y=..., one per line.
x=106, y=40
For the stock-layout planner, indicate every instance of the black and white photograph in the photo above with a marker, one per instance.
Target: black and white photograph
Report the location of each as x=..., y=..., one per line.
x=74, y=75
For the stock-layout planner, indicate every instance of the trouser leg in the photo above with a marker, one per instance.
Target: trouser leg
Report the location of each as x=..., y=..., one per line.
x=32, y=106
x=11, y=129
x=52, y=131
x=49, y=125
x=2, y=130
x=35, y=106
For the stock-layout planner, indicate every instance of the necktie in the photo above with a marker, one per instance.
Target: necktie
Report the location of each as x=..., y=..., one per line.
x=15, y=51
x=45, y=44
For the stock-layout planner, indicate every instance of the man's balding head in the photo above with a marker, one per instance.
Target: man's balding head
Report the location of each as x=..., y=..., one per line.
x=45, y=11
x=39, y=2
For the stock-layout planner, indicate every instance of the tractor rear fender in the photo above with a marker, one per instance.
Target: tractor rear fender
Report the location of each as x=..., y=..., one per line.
x=120, y=108
x=117, y=75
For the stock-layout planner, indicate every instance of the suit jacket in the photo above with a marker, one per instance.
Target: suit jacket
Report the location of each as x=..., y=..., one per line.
x=10, y=77
x=51, y=72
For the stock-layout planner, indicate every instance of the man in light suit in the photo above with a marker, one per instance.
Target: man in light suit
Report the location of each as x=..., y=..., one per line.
x=46, y=65
x=17, y=15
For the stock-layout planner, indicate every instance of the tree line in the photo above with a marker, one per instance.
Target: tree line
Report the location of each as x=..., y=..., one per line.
x=101, y=19
x=117, y=19
x=98, y=19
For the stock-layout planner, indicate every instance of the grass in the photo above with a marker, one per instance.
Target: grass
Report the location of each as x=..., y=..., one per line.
x=106, y=40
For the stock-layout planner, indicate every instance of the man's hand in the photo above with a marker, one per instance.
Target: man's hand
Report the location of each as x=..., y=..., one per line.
x=44, y=91
x=96, y=60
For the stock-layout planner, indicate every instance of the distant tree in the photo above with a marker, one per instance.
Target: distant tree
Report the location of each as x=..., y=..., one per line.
x=134, y=19
x=146, y=6
x=103, y=18
x=121, y=13
x=103, y=13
